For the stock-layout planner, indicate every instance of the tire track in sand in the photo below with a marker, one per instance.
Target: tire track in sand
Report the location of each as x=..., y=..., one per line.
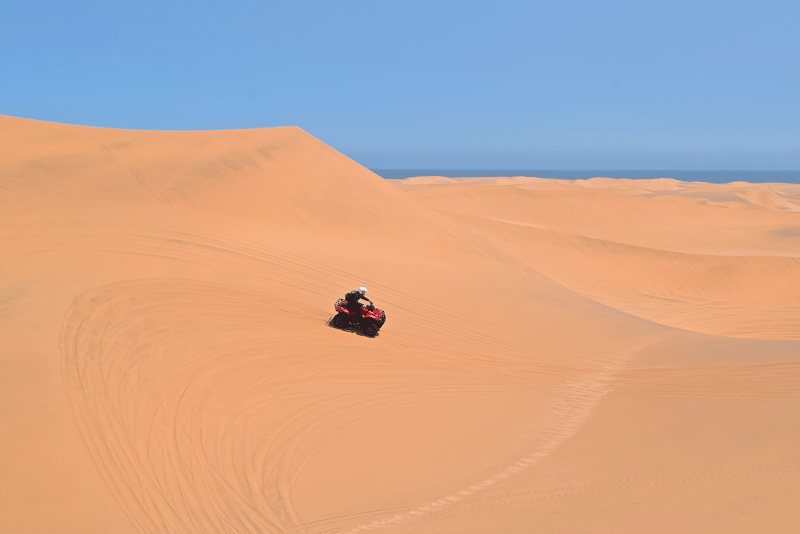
x=200, y=406
x=568, y=412
x=197, y=427
x=618, y=484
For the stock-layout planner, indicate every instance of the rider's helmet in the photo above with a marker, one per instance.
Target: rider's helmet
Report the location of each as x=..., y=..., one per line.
x=362, y=290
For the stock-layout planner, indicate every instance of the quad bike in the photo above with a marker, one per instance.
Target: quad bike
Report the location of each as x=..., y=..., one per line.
x=368, y=319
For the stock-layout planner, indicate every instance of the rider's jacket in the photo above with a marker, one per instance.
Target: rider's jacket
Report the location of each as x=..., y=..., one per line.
x=354, y=296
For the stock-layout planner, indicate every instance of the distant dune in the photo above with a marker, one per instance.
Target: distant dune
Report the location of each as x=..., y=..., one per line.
x=559, y=356
x=716, y=259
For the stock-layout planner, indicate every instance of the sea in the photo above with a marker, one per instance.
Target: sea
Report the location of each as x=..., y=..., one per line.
x=714, y=177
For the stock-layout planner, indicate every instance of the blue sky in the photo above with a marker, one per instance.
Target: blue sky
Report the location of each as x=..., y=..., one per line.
x=556, y=85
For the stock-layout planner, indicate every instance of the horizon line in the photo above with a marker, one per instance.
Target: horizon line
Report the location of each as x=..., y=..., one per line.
x=473, y=169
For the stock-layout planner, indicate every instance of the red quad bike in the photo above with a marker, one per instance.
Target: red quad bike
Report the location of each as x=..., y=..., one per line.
x=369, y=320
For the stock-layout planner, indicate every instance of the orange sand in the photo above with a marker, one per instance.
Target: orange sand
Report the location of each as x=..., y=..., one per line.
x=592, y=356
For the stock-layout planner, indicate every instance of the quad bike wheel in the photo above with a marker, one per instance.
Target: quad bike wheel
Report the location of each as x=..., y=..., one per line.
x=369, y=329
x=339, y=320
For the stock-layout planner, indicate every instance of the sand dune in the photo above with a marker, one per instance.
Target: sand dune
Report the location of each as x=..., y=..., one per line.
x=606, y=355
x=718, y=267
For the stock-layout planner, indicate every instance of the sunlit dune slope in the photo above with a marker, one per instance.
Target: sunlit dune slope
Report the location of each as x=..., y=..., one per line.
x=702, y=258
x=168, y=366
x=308, y=185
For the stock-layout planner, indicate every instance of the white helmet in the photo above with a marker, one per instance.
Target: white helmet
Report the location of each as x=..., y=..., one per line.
x=362, y=290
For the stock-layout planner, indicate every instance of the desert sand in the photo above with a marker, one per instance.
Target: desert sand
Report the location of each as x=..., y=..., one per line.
x=605, y=355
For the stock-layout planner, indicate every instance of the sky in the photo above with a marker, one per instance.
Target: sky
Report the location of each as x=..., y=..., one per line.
x=521, y=85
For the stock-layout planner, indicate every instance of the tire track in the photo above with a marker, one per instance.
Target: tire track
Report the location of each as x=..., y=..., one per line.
x=528, y=500
x=589, y=487
x=276, y=267
x=196, y=426
x=567, y=414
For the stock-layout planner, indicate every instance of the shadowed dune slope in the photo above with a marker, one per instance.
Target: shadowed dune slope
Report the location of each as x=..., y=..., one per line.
x=167, y=366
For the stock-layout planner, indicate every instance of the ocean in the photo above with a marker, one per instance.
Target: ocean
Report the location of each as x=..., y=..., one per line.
x=715, y=177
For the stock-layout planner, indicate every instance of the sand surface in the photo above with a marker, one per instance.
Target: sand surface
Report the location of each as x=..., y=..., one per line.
x=593, y=356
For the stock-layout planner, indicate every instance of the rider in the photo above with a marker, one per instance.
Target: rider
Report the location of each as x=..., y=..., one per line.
x=353, y=297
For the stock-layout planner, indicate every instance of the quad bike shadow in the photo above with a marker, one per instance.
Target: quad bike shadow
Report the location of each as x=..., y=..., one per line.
x=367, y=321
